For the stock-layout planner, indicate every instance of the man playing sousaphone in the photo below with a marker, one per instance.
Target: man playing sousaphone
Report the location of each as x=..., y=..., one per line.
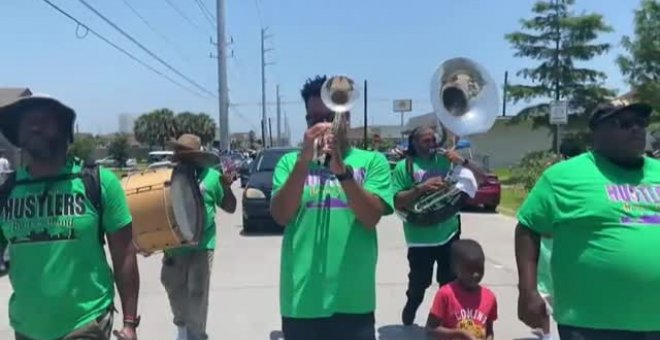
x=186, y=271
x=421, y=172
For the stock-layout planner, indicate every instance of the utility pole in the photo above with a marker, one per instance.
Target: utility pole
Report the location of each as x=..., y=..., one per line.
x=223, y=95
x=264, y=36
x=557, y=74
x=504, y=93
x=279, y=117
x=365, y=115
x=270, y=131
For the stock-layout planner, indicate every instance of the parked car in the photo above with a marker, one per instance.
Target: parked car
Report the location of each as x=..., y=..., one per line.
x=244, y=171
x=256, y=197
x=488, y=195
x=110, y=162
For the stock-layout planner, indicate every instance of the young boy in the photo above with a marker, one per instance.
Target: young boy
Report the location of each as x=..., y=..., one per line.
x=463, y=309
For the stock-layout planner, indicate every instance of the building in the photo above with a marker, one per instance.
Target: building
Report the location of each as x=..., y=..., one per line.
x=127, y=122
x=503, y=145
x=386, y=133
x=8, y=95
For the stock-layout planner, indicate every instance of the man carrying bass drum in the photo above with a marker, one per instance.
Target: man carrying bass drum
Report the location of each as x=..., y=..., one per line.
x=422, y=172
x=186, y=271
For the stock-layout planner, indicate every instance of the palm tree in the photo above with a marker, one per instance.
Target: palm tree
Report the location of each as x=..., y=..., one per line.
x=155, y=128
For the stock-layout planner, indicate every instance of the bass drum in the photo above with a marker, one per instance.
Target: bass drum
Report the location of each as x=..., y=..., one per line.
x=167, y=208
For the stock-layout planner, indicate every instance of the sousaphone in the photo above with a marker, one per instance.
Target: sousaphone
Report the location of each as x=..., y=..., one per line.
x=465, y=101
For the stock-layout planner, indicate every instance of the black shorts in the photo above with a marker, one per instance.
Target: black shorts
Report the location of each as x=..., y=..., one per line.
x=338, y=326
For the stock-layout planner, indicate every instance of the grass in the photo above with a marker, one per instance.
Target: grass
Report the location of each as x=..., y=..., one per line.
x=511, y=199
x=505, y=176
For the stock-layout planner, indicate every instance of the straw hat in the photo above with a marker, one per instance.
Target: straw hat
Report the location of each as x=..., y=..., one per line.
x=188, y=149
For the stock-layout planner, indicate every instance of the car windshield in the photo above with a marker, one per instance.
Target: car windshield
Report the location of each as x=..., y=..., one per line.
x=268, y=160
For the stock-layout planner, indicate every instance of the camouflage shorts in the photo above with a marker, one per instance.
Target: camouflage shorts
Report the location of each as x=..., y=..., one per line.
x=99, y=329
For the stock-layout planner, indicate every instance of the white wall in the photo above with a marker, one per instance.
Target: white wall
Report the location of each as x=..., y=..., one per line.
x=506, y=144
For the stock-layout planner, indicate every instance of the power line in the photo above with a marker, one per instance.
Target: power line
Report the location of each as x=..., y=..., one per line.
x=146, y=22
x=242, y=116
x=183, y=15
x=123, y=51
x=128, y=36
x=205, y=11
x=261, y=19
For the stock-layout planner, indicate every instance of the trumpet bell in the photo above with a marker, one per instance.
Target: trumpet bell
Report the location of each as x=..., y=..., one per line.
x=464, y=97
x=339, y=93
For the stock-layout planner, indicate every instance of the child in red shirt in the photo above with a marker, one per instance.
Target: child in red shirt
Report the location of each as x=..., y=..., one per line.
x=463, y=309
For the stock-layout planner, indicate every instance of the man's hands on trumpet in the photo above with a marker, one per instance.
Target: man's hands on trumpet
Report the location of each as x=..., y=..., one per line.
x=309, y=145
x=332, y=147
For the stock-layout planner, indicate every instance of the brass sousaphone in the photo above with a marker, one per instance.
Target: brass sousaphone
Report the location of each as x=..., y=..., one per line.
x=465, y=101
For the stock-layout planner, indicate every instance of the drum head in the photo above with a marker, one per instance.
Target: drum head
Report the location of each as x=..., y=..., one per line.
x=186, y=203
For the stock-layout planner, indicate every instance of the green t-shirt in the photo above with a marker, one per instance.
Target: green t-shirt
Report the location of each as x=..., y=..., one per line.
x=328, y=260
x=59, y=273
x=605, y=223
x=543, y=277
x=211, y=187
x=422, y=170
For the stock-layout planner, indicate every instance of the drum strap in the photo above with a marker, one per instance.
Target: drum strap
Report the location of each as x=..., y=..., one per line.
x=90, y=175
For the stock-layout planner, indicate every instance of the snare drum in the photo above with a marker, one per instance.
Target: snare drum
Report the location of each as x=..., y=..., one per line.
x=167, y=208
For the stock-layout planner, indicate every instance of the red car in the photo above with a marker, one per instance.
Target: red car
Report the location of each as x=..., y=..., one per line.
x=488, y=194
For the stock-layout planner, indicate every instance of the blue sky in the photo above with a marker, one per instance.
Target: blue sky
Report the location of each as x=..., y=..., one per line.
x=395, y=45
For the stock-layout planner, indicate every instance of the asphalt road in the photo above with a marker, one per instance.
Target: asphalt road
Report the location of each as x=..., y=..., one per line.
x=244, y=287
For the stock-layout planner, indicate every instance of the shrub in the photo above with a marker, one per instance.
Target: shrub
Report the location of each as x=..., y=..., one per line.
x=532, y=165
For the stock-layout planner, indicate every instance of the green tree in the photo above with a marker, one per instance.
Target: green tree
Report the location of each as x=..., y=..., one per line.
x=199, y=124
x=155, y=128
x=83, y=147
x=119, y=149
x=641, y=64
x=557, y=38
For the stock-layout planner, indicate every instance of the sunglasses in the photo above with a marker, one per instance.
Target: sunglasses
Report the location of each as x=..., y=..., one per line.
x=629, y=123
x=314, y=119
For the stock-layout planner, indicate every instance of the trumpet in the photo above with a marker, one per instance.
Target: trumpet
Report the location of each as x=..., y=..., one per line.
x=339, y=94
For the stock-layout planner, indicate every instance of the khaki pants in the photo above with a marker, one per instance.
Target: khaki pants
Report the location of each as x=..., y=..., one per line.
x=99, y=329
x=186, y=278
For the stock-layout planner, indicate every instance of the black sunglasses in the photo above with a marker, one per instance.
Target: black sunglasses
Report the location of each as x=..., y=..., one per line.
x=312, y=119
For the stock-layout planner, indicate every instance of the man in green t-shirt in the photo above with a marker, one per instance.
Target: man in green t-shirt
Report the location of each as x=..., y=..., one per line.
x=602, y=209
x=330, y=247
x=423, y=171
x=63, y=285
x=186, y=272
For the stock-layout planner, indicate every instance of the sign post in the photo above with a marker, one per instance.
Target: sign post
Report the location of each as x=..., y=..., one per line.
x=558, y=117
x=402, y=106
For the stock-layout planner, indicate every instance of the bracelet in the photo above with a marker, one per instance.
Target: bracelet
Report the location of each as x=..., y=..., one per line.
x=135, y=322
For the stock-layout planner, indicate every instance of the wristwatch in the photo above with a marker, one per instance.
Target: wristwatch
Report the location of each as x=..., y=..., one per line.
x=348, y=174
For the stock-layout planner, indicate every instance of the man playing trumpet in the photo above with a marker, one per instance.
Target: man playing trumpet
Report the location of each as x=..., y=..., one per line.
x=422, y=172
x=329, y=249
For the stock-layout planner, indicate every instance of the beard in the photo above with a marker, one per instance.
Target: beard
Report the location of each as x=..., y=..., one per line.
x=45, y=149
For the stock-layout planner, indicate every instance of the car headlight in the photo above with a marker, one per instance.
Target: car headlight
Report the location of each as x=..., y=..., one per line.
x=254, y=193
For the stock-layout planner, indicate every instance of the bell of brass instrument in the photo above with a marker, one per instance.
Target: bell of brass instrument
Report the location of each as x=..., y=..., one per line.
x=465, y=101
x=339, y=94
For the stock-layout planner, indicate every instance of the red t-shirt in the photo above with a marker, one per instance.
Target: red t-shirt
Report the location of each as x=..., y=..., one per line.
x=458, y=308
